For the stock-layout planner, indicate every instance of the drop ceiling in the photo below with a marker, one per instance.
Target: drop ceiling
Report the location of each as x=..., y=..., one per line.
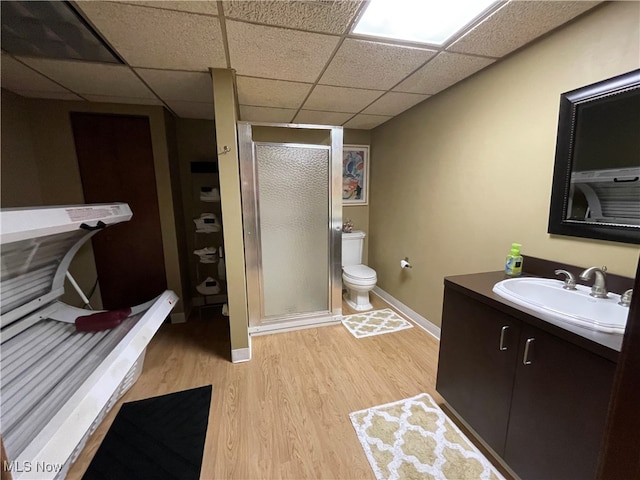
x=295, y=61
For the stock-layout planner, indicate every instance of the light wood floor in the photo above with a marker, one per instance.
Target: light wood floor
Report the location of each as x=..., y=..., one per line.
x=284, y=414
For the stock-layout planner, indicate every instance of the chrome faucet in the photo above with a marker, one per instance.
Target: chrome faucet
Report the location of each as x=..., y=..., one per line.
x=599, y=288
x=569, y=280
x=625, y=299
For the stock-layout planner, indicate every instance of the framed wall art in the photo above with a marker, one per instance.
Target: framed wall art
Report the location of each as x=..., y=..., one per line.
x=355, y=175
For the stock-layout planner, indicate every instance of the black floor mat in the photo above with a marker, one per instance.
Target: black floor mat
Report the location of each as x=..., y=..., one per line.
x=156, y=438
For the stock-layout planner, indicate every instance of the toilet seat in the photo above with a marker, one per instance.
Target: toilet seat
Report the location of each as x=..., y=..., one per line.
x=359, y=273
x=358, y=280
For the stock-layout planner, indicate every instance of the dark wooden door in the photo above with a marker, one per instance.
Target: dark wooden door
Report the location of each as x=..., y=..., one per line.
x=558, y=410
x=115, y=158
x=476, y=370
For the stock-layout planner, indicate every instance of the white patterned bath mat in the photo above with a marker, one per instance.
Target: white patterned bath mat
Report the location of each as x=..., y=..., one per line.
x=375, y=322
x=413, y=439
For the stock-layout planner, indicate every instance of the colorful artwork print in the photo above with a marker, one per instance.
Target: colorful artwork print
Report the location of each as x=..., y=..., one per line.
x=354, y=174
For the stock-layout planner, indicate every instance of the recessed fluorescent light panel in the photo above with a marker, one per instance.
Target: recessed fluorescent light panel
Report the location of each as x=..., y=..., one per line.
x=423, y=21
x=51, y=30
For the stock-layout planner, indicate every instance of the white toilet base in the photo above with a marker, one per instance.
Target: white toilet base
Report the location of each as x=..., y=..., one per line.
x=358, y=300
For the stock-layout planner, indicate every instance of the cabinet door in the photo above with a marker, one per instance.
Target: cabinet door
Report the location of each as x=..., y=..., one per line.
x=476, y=367
x=558, y=410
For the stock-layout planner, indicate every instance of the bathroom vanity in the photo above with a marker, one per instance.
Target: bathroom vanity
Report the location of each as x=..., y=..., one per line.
x=535, y=393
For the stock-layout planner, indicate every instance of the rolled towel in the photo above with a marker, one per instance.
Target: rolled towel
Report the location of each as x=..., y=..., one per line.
x=102, y=320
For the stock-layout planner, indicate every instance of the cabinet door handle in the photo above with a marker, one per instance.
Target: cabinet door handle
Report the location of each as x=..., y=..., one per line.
x=527, y=345
x=502, y=335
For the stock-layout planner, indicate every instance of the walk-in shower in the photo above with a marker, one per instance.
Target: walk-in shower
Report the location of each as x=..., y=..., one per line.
x=291, y=179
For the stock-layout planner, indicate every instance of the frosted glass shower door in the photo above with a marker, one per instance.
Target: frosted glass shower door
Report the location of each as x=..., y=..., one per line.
x=293, y=220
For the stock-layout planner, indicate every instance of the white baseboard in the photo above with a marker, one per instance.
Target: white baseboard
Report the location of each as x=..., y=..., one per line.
x=412, y=314
x=240, y=355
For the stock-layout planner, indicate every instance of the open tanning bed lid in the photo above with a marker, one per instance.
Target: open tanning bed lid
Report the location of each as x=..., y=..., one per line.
x=33, y=222
x=612, y=195
x=38, y=245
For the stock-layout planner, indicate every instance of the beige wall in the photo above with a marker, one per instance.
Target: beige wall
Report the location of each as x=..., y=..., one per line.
x=60, y=183
x=477, y=162
x=20, y=180
x=261, y=133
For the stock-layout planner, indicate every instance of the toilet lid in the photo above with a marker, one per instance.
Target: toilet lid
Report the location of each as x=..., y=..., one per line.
x=359, y=271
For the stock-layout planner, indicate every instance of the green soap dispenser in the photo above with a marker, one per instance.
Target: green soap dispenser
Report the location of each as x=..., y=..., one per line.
x=513, y=265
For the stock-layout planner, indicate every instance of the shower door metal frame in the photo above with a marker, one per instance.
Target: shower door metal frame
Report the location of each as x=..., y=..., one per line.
x=258, y=323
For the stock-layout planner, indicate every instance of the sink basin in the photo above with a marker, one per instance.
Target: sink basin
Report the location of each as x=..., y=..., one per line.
x=555, y=304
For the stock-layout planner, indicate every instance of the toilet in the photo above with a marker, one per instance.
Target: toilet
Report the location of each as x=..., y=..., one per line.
x=358, y=279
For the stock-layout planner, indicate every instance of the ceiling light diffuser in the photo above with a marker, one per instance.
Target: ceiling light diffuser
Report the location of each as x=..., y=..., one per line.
x=431, y=22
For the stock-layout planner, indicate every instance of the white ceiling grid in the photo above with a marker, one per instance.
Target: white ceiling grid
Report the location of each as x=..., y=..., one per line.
x=295, y=61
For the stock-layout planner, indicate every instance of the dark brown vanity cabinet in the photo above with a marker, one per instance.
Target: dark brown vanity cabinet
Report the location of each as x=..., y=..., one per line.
x=477, y=365
x=539, y=401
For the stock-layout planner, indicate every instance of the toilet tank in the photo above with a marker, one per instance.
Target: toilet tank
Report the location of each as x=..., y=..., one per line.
x=352, y=244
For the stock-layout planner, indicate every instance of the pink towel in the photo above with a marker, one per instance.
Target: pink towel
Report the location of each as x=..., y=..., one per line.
x=102, y=320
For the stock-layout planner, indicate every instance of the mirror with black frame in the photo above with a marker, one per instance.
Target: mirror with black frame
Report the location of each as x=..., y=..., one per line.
x=596, y=179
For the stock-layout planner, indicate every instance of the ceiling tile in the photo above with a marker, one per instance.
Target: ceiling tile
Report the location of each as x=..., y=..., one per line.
x=328, y=17
x=92, y=78
x=272, y=93
x=206, y=7
x=394, y=103
x=277, y=53
x=442, y=72
x=49, y=95
x=17, y=76
x=171, y=40
x=264, y=114
x=377, y=66
x=174, y=85
x=366, y=122
x=128, y=100
x=340, y=99
x=515, y=24
x=314, y=117
x=279, y=50
x=201, y=110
